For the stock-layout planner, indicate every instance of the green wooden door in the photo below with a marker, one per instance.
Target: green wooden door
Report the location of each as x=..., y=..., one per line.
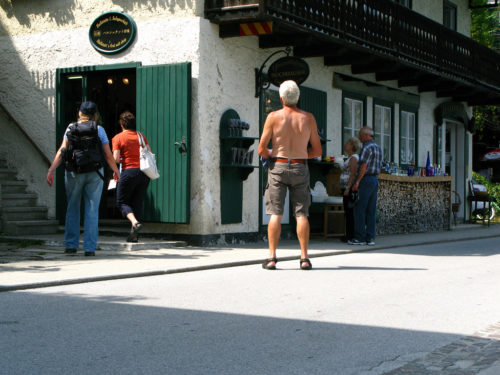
x=164, y=116
x=314, y=101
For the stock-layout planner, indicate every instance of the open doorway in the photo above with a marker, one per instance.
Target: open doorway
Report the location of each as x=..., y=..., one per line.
x=160, y=97
x=114, y=91
x=452, y=155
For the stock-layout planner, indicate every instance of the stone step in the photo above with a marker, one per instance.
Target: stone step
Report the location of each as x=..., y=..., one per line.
x=13, y=187
x=19, y=200
x=7, y=174
x=29, y=227
x=24, y=213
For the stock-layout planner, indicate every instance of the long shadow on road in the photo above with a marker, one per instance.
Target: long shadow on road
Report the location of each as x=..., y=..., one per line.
x=56, y=333
x=473, y=247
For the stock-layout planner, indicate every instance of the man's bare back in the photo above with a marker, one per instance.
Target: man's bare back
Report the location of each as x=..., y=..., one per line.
x=291, y=130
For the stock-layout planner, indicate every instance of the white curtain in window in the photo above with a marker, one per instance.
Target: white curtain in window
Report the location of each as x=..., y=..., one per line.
x=407, y=138
x=383, y=130
x=352, y=118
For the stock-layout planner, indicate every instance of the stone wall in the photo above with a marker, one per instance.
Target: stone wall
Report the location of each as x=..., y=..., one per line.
x=413, y=204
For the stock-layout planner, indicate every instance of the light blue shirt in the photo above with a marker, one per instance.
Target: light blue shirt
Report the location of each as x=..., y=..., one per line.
x=100, y=132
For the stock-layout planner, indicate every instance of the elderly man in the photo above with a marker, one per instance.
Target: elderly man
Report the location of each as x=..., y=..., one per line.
x=366, y=184
x=291, y=130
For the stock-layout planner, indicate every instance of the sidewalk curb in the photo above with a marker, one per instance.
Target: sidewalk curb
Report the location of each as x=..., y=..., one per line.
x=83, y=280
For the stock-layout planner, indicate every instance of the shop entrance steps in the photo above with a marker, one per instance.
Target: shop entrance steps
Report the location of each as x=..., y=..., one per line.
x=20, y=213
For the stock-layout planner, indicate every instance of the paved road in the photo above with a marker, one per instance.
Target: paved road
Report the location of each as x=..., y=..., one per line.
x=432, y=309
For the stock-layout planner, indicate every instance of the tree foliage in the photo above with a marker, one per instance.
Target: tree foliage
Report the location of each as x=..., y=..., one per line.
x=485, y=26
x=485, y=29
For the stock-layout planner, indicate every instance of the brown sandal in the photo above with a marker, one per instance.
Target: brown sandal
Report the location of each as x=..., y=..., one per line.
x=266, y=265
x=305, y=267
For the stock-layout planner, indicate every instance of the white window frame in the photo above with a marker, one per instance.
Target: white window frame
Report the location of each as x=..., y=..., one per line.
x=380, y=134
x=404, y=141
x=356, y=125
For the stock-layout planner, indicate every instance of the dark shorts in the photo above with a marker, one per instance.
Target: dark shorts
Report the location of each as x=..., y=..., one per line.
x=295, y=178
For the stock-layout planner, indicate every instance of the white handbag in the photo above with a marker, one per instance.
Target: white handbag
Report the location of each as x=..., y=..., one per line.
x=148, y=160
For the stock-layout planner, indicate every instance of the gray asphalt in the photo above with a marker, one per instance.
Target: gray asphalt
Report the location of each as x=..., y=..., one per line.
x=44, y=263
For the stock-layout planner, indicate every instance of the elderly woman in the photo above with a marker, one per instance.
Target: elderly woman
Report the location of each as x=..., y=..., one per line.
x=347, y=179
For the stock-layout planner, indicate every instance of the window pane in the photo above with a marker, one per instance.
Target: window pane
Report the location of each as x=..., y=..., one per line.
x=377, y=140
x=403, y=129
x=358, y=113
x=347, y=113
x=347, y=136
x=411, y=151
x=387, y=148
x=378, y=119
x=450, y=15
x=411, y=126
x=387, y=120
x=403, y=152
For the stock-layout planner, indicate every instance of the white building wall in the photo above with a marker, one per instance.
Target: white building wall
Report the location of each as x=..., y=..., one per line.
x=222, y=75
x=433, y=9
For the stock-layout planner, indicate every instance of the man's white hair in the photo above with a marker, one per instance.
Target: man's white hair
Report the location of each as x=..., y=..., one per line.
x=289, y=92
x=366, y=130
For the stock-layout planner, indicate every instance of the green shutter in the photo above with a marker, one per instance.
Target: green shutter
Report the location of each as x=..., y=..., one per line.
x=164, y=116
x=314, y=101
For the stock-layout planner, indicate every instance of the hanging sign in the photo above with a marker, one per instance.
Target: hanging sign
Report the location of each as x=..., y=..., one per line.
x=112, y=32
x=288, y=68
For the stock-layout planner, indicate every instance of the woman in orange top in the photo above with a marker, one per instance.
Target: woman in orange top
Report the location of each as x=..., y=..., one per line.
x=132, y=186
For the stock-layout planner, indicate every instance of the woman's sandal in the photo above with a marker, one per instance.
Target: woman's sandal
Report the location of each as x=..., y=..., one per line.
x=266, y=265
x=305, y=267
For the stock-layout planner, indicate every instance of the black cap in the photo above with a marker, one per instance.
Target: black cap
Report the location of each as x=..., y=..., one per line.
x=88, y=108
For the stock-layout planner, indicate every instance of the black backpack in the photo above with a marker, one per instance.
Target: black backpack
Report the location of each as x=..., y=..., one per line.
x=84, y=153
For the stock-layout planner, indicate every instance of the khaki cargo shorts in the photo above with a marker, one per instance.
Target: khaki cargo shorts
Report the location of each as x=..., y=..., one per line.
x=295, y=178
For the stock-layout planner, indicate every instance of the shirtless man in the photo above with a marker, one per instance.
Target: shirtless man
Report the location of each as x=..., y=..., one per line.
x=290, y=130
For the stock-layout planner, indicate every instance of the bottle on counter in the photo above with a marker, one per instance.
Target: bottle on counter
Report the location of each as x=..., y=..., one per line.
x=428, y=165
x=411, y=169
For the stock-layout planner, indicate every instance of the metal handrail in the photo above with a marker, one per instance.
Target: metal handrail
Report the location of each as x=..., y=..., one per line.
x=12, y=119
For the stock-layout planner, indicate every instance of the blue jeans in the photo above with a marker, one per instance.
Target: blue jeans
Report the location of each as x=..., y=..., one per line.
x=89, y=186
x=365, y=209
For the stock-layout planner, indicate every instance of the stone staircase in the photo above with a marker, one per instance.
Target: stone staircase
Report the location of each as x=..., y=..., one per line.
x=19, y=213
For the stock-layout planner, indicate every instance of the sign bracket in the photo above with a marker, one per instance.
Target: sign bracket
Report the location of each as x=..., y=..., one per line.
x=261, y=81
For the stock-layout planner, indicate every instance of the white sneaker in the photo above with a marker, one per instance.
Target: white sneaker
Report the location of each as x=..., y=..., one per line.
x=370, y=243
x=355, y=242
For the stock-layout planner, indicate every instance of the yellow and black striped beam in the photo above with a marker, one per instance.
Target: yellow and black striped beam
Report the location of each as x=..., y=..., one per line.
x=244, y=29
x=256, y=28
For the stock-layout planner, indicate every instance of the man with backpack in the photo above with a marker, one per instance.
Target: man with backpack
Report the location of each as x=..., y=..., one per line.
x=84, y=150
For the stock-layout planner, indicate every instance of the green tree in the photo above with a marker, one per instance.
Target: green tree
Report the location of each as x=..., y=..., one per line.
x=485, y=29
x=485, y=25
